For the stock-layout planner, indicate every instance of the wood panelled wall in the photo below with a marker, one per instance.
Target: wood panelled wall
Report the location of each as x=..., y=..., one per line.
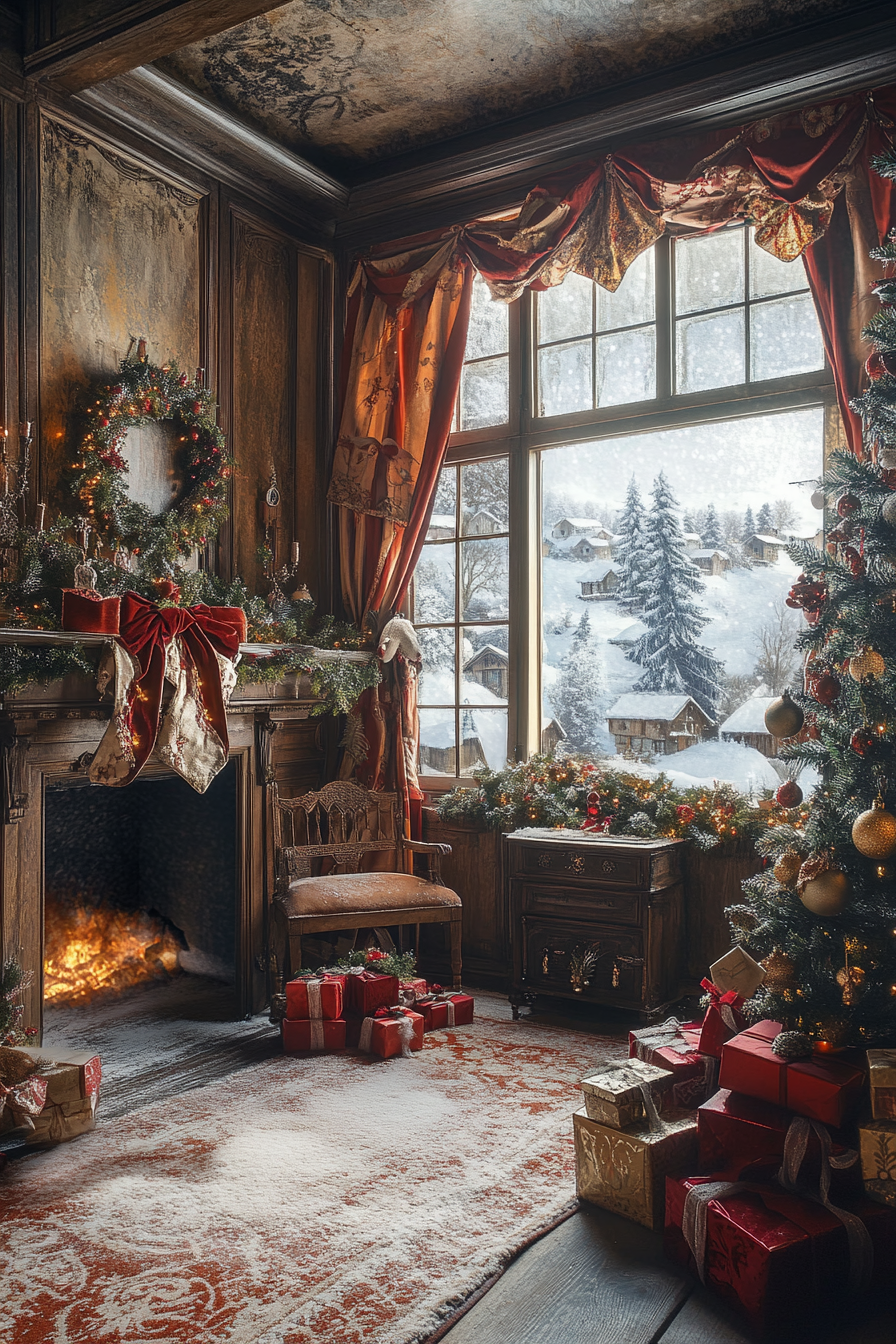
x=102, y=243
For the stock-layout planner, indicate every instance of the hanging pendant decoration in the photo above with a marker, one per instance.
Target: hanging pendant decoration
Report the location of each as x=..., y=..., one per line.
x=784, y=718
x=874, y=831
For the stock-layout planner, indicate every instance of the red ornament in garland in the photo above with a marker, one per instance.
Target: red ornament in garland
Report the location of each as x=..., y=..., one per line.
x=863, y=742
x=825, y=688
x=855, y=561
x=789, y=794
x=847, y=505
x=183, y=380
x=878, y=364
x=685, y=814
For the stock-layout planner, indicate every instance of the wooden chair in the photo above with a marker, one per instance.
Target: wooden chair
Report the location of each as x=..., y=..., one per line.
x=343, y=822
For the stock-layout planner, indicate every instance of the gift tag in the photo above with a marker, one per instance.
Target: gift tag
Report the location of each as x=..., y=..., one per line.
x=738, y=971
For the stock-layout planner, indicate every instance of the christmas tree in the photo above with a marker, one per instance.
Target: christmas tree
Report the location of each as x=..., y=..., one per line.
x=674, y=662
x=631, y=558
x=579, y=697
x=823, y=918
x=749, y=528
x=765, y=523
x=712, y=531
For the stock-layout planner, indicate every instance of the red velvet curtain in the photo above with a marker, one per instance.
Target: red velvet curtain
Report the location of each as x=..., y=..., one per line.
x=801, y=178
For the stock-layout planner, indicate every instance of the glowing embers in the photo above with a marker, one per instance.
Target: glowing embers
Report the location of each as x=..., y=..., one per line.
x=103, y=950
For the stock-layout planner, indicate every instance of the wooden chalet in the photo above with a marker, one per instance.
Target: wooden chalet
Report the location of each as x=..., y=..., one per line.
x=647, y=724
x=711, y=561
x=488, y=667
x=598, y=582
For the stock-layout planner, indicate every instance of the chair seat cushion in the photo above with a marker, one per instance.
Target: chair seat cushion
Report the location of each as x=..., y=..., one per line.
x=364, y=893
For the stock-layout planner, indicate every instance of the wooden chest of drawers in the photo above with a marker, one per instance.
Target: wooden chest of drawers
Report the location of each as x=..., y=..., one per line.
x=599, y=919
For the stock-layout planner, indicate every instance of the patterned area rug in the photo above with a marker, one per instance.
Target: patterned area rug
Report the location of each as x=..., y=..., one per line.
x=338, y=1199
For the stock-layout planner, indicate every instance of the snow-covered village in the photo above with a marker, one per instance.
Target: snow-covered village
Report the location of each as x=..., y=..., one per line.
x=665, y=630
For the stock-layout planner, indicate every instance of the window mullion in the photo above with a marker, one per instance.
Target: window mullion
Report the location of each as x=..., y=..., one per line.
x=664, y=321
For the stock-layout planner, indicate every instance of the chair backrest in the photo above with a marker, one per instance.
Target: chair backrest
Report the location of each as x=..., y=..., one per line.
x=342, y=822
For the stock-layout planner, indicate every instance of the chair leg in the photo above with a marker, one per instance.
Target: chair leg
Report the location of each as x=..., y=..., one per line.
x=295, y=952
x=456, y=936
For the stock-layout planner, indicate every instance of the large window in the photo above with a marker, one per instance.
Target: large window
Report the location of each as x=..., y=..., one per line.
x=606, y=561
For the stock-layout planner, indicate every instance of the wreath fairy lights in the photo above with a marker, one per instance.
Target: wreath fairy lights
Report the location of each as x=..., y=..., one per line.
x=147, y=393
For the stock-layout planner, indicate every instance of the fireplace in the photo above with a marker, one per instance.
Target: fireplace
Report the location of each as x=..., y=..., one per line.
x=140, y=885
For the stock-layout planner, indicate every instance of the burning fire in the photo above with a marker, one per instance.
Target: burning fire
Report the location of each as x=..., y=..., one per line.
x=92, y=950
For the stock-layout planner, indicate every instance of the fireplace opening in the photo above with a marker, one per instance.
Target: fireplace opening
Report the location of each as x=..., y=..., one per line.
x=140, y=886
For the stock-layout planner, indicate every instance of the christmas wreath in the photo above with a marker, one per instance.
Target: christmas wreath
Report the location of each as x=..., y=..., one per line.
x=148, y=393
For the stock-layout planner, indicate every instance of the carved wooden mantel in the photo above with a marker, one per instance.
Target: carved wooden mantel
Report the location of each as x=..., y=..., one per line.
x=51, y=732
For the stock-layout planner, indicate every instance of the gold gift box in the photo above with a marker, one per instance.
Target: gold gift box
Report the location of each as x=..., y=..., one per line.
x=877, y=1153
x=625, y=1170
x=612, y=1095
x=882, y=1078
x=68, y=1120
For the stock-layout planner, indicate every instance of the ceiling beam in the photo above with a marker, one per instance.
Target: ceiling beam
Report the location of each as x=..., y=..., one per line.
x=73, y=47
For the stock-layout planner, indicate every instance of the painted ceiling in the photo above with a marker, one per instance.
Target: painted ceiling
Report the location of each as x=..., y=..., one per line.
x=350, y=82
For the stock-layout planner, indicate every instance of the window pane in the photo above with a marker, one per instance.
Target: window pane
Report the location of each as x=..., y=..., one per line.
x=443, y=522
x=436, y=685
x=566, y=310
x=434, y=584
x=483, y=735
x=729, y=507
x=564, y=379
x=484, y=491
x=709, y=351
x=769, y=276
x=485, y=394
x=485, y=665
x=483, y=580
x=489, y=323
x=634, y=299
x=626, y=367
x=784, y=338
x=709, y=272
x=437, y=742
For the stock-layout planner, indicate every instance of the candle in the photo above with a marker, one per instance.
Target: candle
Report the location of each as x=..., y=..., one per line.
x=41, y=510
x=141, y=348
x=25, y=429
x=295, y=552
x=199, y=373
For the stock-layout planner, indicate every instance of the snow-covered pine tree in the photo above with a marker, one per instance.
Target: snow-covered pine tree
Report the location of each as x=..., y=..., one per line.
x=631, y=560
x=712, y=531
x=823, y=917
x=749, y=529
x=673, y=661
x=765, y=522
x=579, y=697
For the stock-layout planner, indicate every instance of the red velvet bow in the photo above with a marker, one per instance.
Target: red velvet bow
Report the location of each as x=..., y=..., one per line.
x=145, y=631
x=730, y=996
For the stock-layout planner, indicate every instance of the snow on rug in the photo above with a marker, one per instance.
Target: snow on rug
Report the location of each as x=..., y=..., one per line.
x=341, y=1199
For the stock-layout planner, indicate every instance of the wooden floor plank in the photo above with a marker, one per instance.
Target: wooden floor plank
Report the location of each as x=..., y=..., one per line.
x=596, y=1279
x=705, y=1320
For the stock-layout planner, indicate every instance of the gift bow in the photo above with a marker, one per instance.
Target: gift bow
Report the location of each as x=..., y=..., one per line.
x=666, y=1036
x=24, y=1100
x=726, y=1003
x=626, y=1074
x=396, y=1014
x=431, y=999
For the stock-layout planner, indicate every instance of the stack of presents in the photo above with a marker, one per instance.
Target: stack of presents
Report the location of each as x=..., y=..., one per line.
x=772, y=1172
x=47, y=1097
x=361, y=1007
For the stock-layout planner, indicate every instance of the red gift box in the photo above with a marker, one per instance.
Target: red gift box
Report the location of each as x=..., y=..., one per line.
x=87, y=612
x=445, y=1010
x=723, y=1019
x=825, y=1089
x=314, y=997
x=417, y=988
x=365, y=991
x=775, y=1256
x=308, y=1034
x=673, y=1046
x=385, y=1033
x=744, y=1138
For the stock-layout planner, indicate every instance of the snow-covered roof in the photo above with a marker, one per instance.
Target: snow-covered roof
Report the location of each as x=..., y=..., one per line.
x=749, y=717
x=597, y=572
x=593, y=541
x=630, y=634
x=584, y=524
x=486, y=513
x=648, y=705
x=707, y=555
x=485, y=648
x=546, y=723
x=692, y=536
x=771, y=541
x=442, y=520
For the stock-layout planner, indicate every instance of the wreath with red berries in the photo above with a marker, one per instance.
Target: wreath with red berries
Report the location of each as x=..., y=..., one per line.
x=147, y=393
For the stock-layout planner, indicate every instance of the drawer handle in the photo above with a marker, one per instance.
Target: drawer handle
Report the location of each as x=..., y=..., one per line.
x=609, y=866
x=546, y=955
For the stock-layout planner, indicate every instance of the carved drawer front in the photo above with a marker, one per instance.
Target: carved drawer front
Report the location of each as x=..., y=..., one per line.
x=576, y=903
x=590, y=960
x=598, y=865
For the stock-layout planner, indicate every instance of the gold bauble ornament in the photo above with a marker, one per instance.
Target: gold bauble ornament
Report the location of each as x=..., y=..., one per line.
x=851, y=980
x=783, y=718
x=874, y=832
x=868, y=663
x=787, y=867
x=780, y=971
x=823, y=888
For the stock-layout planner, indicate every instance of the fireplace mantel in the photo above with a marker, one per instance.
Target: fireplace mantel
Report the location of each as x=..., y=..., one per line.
x=49, y=733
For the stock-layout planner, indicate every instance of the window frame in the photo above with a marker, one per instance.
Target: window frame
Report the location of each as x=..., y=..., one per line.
x=526, y=435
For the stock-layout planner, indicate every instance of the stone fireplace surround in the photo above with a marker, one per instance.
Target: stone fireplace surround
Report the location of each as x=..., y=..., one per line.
x=48, y=734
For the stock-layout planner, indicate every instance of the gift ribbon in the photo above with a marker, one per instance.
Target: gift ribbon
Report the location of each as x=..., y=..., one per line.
x=405, y=1029
x=694, y=1217
x=430, y=1001
x=312, y=989
x=667, y=1036
x=317, y=1034
x=623, y=1070
x=726, y=1003
x=24, y=1100
x=861, y=1250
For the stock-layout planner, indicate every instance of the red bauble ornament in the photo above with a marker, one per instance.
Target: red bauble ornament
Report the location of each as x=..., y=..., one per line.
x=848, y=505
x=117, y=391
x=789, y=794
x=103, y=421
x=863, y=742
x=183, y=380
x=855, y=561
x=879, y=363
x=197, y=407
x=166, y=589
x=825, y=688
x=194, y=435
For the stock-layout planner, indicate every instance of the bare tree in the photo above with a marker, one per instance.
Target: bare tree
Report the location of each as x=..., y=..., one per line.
x=784, y=516
x=735, y=690
x=483, y=573
x=779, y=661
